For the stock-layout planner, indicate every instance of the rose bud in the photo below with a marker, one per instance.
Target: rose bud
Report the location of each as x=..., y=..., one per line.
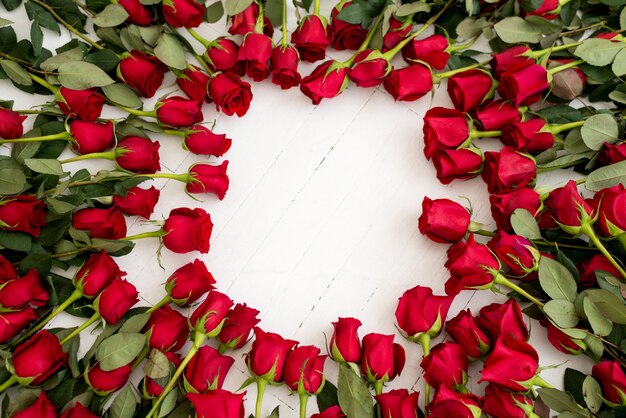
x=528, y=136
x=457, y=164
x=517, y=253
x=239, y=323
x=609, y=204
x=167, y=329
x=207, y=178
x=221, y=54
x=503, y=320
x=588, y=268
x=471, y=265
x=138, y=201
x=397, y=32
x=561, y=341
x=189, y=283
x=410, y=83
x=82, y=104
x=312, y=37
x=41, y=408
x=466, y=331
x=96, y=274
x=512, y=365
x=548, y=9
x=201, y=140
x=154, y=388
x=508, y=170
x=230, y=94
x=330, y=412
x=22, y=213
x=217, y=403
x=142, y=72
x=183, y=13
x=523, y=85
x=90, y=137
x=23, y=291
x=345, y=35
x=497, y=114
x=383, y=359
x=285, y=60
x=328, y=80
x=509, y=58
x=108, y=223
x=369, y=69
x=106, y=382
x=267, y=356
x=611, y=154
x=254, y=54
x=446, y=365
x=11, y=124
x=245, y=22
x=7, y=270
x=431, y=50
x=187, y=230
x=448, y=403
x=179, y=112
x=500, y=403
x=116, y=300
x=398, y=403
x=46, y=349
x=443, y=220
x=569, y=208
x=207, y=370
x=137, y=13
x=444, y=129
x=420, y=312
x=78, y=411
x=304, y=370
x=194, y=83
x=345, y=345
x=11, y=323
x=503, y=205
x=612, y=380
x=469, y=89
x=139, y=155
x=209, y=316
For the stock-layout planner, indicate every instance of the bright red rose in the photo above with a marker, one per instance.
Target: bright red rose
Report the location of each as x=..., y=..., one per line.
x=89, y=137
x=42, y=408
x=345, y=344
x=345, y=35
x=612, y=380
x=183, y=13
x=588, y=269
x=82, y=104
x=466, y=331
x=446, y=365
x=512, y=57
x=139, y=155
x=285, y=60
x=549, y=9
x=469, y=89
x=331, y=412
x=254, y=54
x=508, y=170
x=410, y=83
x=26, y=290
x=267, y=356
x=567, y=205
x=497, y=114
x=457, y=164
x=239, y=323
x=369, y=69
x=524, y=86
x=38, y=358
x=167, y=329
x=218, y=404
x=222, y=54
x=154, y=388
x=96, y=274
x=22, y=213
x=202, y=141
x=611, y=154
x=443, y=220
x=431, y=50
x=503, y=205
x=444, y=129
x=207, y=370
x=194, y=83
x=328, y=80
x=398, y=403
x=517, y=253
x=609, y=204
x=105, y=382
x=512, y=365
x=187, y=230
x=137, y=12
x=179, y=112
x=561, y=341
x=142, y=72
x=189, y=283
x=207, y=178
x=11, y=323
x=230, y=94
x=107, y=223
x=209, y=316
x=7, y=270
x=138, y=201
x=420, y=312
x=116, y=300
x=245, y=22
x=447, y=403
x=11, y=124
x=398, y=31
x=312, y=37
x=528, y=136
x=78, y=411
x=304, y=369
x=383, y=359
x=471, y=266
x=500, y=403
x=503, y=320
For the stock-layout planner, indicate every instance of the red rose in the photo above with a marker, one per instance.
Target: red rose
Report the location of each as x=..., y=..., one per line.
x=304, y=369
x=138, y=201
x=82, y=104
x=369, y=69
x=503, y=320
x=154, y=388
x=383, y=359
x=326, y=81
x=561, y=341
x=431, y=50
x=589, y=267
x=285, y=60
x=139, y=155
x=142, y=72
x=500, y=403
x=398, y=403
x=612, y=380
x=48, y=353
x=108, y=223
x=189, y=283
x=397, y=32
x=179, y=112
x=609, y=204
x=611, y=154
x=116, y=300
x=97, y=273
x=445, y=365
x=497, y=114
x=267, y=356
x=137, y=12
x=567, y=205
x=106, y=382
x=512, y=365
x=503, y=205
x=42, y=408
x=517, y=253
x=221, y=54
x=330, y=412
x=19, y=293
x=78, y=411
x=420, y=312
x=254, y=54
x=469, y=89
x=410, y=83
x=345, y=35
x=202, y=141
x=194, y=83
x=209, y=316
x=187, y=230
x=11, y=124
x=444, y=129
x=207, y=178
x=508, y=170
x=207, y=370
x=230, y=94
x=447, y=403
x=549, y=9
x=11, y=323
x=183, y=13
x=528, y=136
x=466, y=331
x=443, y=220
x=218, y=404
x=523, y=85
x=471, y=266
x=345, y=344
x=7, y=270
x=457, y=164
x=89, y=137
x=312, y=37
x=245, y=22
x=22, y=213
x=239, y=323
x=167, y=329
x=511, y=57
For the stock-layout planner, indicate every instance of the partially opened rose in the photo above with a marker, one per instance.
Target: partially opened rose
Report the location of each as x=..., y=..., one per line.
x=106, y=382
x=312, y=37
x=178, y=112
x=187, y=230
x=106, y=223
x=167, y=329
x=444, y=129
x=43, y=347
x=383, y=359
x=116, y=300
x=410, y=83
x=209, y=316
x=11, y=124
x=27, y=290
x=345, y=344
x=431, y=50
x=83, y=104
x=189, y=283
x=203, y=141
x=443, y=220
x=41, y=408
x=88, y=137
x=139, y=155
x=138, y=201
x=207, y=370
x=512, y=365
x=207, y=178
x=446, y=365
x=11, y=323
x=22, y=213
x=267, y=356
x=503, y=320
x=399, y=403
x=97, y=273
x=304, y=370
x=612, y=380
x=239, y=323
x=218, y=403
x=230, y=94
x=420, y=312
x=142, y=72
x=326, y=81
x=466, y=331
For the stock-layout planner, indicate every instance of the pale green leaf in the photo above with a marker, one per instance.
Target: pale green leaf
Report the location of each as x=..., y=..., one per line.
x=598, y=129
x=515, y=29
x=80, y=75
x=556, y=280
x=170, y=52
x=111, y=16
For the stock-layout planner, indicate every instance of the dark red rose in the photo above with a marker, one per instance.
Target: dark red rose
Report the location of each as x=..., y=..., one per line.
x=398, y=30
x=142, y=72
x=108, y=223
x=254, y=54
x=116, y=300
x=549, y=9
x=398, y=403
x=194, y=83
x=304, y=369
x=78, y=411
x=245, y=22
x=105, y=382
x=326, y=81
x=154, y=388
x=431, y=50
x=218, y=404
x=503, y=320
x=612, y=380
x=97, y=273
x=444, y=129
x=285, y=60
x=457, y=164
x=89, y=137
x=607, y=35
x=222, y=54
x=611, y=154
x=38, y=358
x=447, y=403
x=588, y=269
x=167, y=329
x=26, y=290
x=508, y=170
x=517, y=253
x=11, y=124
x=312, y=37
x=137, y=12
x=208, y=178
x=238, y=325
x=22, y=213
x=183, y=13
x=267, y=356
x=230, y=94
x=420, y=312
x=514, y=56
x=500, y=403
x=523, y=86
x=202, y=141
x=207, y=370
x=503, y=205
x=512, y=365
x=7, y=270
x=179, y=112
x=42, y=408
x=561, y=341
x=466, y=331
x=410, y=83
x=187, y=230
x=567, y=205
x=139, y=155
x=528, y=136
x=189, y=283
x=383, y=359
x=331, y=412
x=369, y=68
x=82, y=104
x=138, y=201
x=609, y=204
x=345, y=344
x=443, y=220
x=471, y=265
x=11, y=323
x=345, y=35
x=497, y=114
x=209, y=316
x=446, y=365
x=469, y=89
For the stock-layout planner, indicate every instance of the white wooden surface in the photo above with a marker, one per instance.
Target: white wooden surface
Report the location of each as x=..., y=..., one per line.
x=320, y=220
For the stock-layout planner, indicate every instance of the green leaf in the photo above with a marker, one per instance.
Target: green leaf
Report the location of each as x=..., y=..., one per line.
x=36, y=37
x=327, y=397
x=599, y=129
x=111, y=16
x=122, y=95
x=111, y=246
x=5, y=22
x=106, y=59
x=595, y=346
x=44, y=166
x=525, y=224
x=274, y=414
x=150, y=34
x=157, y=365
x=135, y=323
x=597, y=51
x=353, y=13
x=573, y=384
x=12, y=181
x=273, y=11
x=556, y=280
x=562, y=312
x=354, y=397
x=608, y=176
x=54, y=62
x=124, y=404
x=408, y=9
x=170, y=52
x=59, y=207
x=214, y=12
x=559, y=401
x=16, y=73
x=234, y=7
x=17, y=241
x=622, y=19
x=619, y=64
x=609, y=305
x=119, y=350
x=600, y=325
x=11, y=4
x=169, y=403
x=80, y=75
x=515, y=29
x=592, y=394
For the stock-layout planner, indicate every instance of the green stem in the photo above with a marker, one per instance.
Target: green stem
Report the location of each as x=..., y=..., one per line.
x=175, y=132
x=68, y=253
x=542, y=52
x=261, y=384
x=160, y=304
x=152, y=234
x=108, y=155
x=378, y=387
x=8, y=383
x=484, y=233
x=304, y=399
x=78, y=330
x=183, y=177
x=474, y=134
x=557, y=167
x=44, y=83
x=285, y=39
x=316, y=12
x=460, y=47
x=588, y=230
x=564, y=67
x=260, y=21
x=53, y=137
x=557, y=129
x=150, y=114
x=140, y=357
x=539, y=381
x=370, y=34
x=500, y=279
x=222, y=348
x=447, y=74
x=622, y=240
x=205, y=43
x=424, y=340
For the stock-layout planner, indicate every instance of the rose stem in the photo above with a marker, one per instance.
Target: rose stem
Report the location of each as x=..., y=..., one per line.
x=424, y=340
x=260, y=21
x=8, y=383
x=474, y=134
x=146, y=348
x=460, y=47
x=183, y=177
x=542, y=52
x=284, y=41
x=53, y=137
x=205, y=43
x=500, y=279
x=316, y=12
x=564, y=67
x=366, y=41
x=557, y=129
x=586, y=229
x=484, y=233
x=159, y=304
x=150, y=114
x=304, y=399
x=152, y=234
x=67, y=253
x=78, y=330
x=447, y=74
x=261, y=384
x=108, y=155
x=539, y=381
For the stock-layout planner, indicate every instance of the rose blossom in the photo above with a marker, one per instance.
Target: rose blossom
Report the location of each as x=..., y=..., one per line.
x=116, y=300
x=139, y=155
x=431, y=50
x=448, y=403
x=207, y=178
x=11, y=124
x=240, y=321
x=41, y=408
x=209, y=316
x=469, y=89
x=178, y=112
x=254, y=55
x=369, y=68
x=508, y=170
x=22, y=213
x=501, y=403
x=189, y=283
x=202, y=141
x=304, y=370
x=612, y=380
x=230, y=94
x=345, y=35
x=44, y=347
x=443, y=220
x=285, y=60
x=383, y=359
x=525, y=85
x=503, y=205
x=466, y=331
x=142, y=72
x=444, y=129
x=137, y=12
x=23, y=291
x=420, y=312
x=82, y=104
x=503, y=320
x=138, y=201
x=345, y=344
x=457, y=164
x=106, y=382
x=497, y=114
x=326, y=81
x=183, y=13
x=267, y=356
x=410, y=83
x=105, y=223
x=512, y=365
x=96, y=274
x=221, y=54
x=312, y=37
x=187, y=230
x=89, y=137
x=398, y=403
x=167, y=329
x=445, y=365
x=11, y=323
x=528, y=136
x=207, y=370
x=398, y=31
x=217, y=403
x=194, y=83
x=471, y=266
